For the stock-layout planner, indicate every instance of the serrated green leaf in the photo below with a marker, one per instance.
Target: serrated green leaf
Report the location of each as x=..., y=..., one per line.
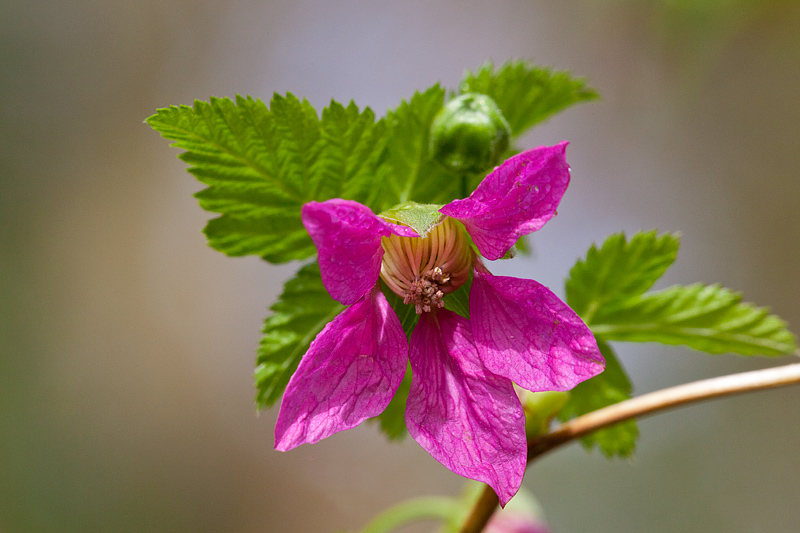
x=262, y=164
x=607, y=388
x=709, y=318
x=352, y=151
x=527, y=94
x=618, y=271
x=277, y=237
x=409, y=173
x=302, y=310
x=297, y=131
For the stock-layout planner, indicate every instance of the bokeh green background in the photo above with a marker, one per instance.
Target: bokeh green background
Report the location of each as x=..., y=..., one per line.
x=127, y=345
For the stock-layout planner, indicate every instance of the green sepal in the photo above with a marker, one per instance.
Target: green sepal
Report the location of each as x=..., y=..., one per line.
x=406, y=313
x=458, y=300
x=419, y=217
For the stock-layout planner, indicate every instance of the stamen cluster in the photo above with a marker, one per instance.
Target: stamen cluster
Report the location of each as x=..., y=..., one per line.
x=422, y=270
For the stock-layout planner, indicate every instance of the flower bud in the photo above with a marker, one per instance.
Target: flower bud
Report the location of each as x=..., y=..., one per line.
x=540, y=408
x=469, y=134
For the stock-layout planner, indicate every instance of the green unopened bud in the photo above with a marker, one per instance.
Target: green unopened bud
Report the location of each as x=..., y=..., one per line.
x=540, y=408
x=469, y=134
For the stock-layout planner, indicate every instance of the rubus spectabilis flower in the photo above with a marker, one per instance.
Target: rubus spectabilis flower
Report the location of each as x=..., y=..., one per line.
x=462, y=407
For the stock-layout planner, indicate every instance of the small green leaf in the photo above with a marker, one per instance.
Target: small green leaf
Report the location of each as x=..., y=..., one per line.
x=605, y=389
x=527, y=94
x=618, y=271
x=298, y=316
x=406, y=313
x=708, y=318
x=262, y=164
x=458, y=300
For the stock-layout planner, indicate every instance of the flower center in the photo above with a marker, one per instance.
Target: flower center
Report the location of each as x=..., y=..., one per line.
x=423, y=269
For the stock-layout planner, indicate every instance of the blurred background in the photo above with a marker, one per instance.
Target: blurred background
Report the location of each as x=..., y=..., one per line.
x=127, y=345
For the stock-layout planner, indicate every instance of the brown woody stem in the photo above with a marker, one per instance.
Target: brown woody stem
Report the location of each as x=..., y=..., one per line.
x=640, y=406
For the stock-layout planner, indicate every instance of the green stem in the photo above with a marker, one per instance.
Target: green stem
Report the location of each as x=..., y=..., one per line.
x=417, y=509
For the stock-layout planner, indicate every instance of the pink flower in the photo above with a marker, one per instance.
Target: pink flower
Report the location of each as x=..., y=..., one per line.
x=462, y=407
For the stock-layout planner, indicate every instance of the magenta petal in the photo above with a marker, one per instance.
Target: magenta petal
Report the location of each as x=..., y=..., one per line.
x=516, y=199
x=348, y=240
x=526, y=333
x=466, y=417
x=350, y=373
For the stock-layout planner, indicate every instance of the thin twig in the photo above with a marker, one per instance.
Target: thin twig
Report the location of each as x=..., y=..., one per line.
x=640, y=406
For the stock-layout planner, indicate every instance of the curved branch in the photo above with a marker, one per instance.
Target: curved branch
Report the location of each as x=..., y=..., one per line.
x=644, y=405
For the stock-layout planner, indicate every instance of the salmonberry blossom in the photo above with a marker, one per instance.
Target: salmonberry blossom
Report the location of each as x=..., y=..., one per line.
x=462, y=407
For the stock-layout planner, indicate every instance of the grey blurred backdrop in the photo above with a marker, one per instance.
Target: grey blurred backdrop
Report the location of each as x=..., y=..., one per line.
x=126, y=399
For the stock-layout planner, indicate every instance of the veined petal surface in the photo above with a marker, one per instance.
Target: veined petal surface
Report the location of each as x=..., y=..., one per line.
x=516, y=199
x=466, y=417
x=350, y=373
x=526, y=333
x=348, y=235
